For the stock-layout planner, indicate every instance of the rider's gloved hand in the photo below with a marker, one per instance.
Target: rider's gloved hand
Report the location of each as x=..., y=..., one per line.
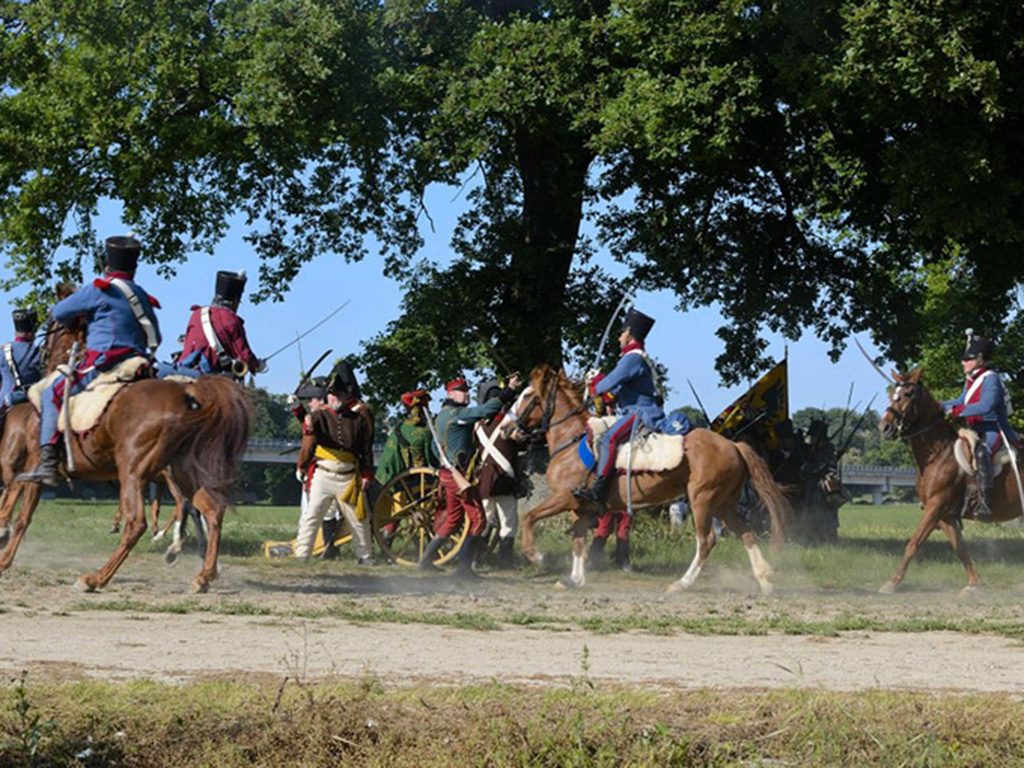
x=956, y=411
x=261, y=366
x=292, y=400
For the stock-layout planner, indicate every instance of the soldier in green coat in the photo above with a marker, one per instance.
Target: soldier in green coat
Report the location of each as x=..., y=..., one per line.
x=409, y=445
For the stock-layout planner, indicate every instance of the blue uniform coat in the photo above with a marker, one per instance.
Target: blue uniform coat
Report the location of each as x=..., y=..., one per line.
x=26, y=357
x=986, y=413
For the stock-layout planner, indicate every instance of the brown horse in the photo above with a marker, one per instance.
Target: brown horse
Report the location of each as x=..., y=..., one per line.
x=915, y=417
x=198, y=431
x=712, y=475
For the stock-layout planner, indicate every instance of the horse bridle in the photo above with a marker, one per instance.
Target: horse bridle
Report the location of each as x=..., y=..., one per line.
x=899, y=419
x=535, y=433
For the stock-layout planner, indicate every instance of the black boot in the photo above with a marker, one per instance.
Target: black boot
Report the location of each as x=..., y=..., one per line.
x=622, y=555
x=596, y=557
x=506, y=553
x=595, y=492
x=329, y=530
x=464, y=570
x=46, y=470
x=433, y=547
x=983, y=508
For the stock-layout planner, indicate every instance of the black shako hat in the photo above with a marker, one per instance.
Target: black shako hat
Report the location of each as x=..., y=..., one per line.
x=638, y=323
x=314, y=388
x=977, y=346
x=25, y=320
x=229, y=287
x=487, y=389
x=342, y=380
x=122, y=253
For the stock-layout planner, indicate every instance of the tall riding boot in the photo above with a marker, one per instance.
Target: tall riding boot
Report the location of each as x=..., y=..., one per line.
x=983, y=510
x=594, y=492
x=596, y=557
x=622, y=555
x=506, y=553
x=433, y=547
x=464, y=570
x=46, y=470
x=329, y=529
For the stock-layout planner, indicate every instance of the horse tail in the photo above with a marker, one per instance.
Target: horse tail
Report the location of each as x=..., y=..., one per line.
x=768, y=490
x=215, y=432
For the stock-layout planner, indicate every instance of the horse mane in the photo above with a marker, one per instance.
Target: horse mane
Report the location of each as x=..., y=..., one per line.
x=540, y=376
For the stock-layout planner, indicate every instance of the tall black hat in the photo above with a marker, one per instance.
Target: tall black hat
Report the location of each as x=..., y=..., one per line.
x=638, y=323
x=817, y=428
x=487, y=389
x=315, y=388
x=343, y=380
x=122, y=253
x=229, y=287
x=977, y=346
x=25, y=320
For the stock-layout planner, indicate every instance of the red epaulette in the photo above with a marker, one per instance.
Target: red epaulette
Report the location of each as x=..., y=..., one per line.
x=101, y=283
x=154, y=302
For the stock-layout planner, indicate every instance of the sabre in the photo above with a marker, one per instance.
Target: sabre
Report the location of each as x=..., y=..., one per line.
x=1016, y=470
x=308, y=374
x=69, y=381
x=460, y=479
x=874, y=365
x=608, y=329
x=707, y=419
x=307, y=332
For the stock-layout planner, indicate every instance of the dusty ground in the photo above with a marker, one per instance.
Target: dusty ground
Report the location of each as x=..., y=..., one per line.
x=335, y=619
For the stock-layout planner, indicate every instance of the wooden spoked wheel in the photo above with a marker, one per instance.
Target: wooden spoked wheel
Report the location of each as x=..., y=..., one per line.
x=406, y=515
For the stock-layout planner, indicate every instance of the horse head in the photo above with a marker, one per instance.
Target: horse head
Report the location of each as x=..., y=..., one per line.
x=57, y=347
x=539, y=406
x=911, y=407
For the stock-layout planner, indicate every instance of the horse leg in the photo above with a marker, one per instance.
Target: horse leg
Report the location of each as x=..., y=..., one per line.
x=154, y=516
x=928, y=523
x=760, y=567
x=706, y=539
x=29, y=495
x=553, y=505
x=134, y=516
x=213, y=514
x=578, y=576
x=956, y=541
x=8, y=499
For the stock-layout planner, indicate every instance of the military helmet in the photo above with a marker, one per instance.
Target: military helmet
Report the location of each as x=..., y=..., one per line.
x=315, y=388
x=342, y=380
x=977, y=346
x=25, y=321
x=229, y=287
x=487, y=389
x=122, y=253
x=638, y=323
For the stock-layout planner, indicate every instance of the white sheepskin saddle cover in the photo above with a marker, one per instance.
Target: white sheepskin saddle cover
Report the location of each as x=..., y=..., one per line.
x=88, y=405
x=651, y=453
x=964, y=447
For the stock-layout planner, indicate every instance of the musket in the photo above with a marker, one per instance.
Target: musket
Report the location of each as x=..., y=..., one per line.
x=703, y=410
x=874, y=365
x=494, y=354
x=305, y=333
x=306, y=376
x=849, y=438
x=460, y=479
x=846, y=412
x=608, y=329
x=69, y=381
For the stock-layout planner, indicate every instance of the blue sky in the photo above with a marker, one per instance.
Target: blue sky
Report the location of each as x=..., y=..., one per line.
x=685, y=342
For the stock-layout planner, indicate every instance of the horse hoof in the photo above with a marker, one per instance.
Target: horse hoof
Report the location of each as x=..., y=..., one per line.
x=969, y=590
x=115, y=529
x=200, y=587
x=157, y=535
x=887, y=589
x=766, y=588
x=170, y=558
x=674, y=587
x=565, y=584
x=82, y=585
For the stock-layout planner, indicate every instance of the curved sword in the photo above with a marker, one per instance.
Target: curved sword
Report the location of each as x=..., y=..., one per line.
x=874, y=365
x=608, y=328
x=305, y=333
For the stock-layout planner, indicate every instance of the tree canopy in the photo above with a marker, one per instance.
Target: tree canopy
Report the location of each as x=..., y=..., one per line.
x=843, y=166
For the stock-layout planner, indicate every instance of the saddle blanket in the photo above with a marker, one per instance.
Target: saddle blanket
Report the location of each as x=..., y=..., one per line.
x=88, y=405
x=652, y=452
x=964, y=452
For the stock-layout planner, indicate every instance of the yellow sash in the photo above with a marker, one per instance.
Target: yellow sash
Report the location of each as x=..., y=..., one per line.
x=330, y=454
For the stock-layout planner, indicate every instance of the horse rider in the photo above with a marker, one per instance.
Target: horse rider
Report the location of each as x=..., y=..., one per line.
x=215, y=339
x=984, y=404
x=497, y=479
x=338, y=443
x=632, y=385
x=409, y=444
x=120, y=322
x=454, y=426
x=20, y=362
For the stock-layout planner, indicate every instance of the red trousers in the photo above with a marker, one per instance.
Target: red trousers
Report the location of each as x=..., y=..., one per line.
x=614, y=520
x=456, y=506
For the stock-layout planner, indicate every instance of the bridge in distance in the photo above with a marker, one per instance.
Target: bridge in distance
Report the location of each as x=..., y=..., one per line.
x=858, y=478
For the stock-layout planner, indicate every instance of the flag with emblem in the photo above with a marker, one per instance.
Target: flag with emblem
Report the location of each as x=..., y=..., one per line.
x=760, y=410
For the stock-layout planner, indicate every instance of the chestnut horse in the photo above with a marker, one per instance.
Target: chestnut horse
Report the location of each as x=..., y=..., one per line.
x=198, y=431
x=712, y=475
x=916, y=417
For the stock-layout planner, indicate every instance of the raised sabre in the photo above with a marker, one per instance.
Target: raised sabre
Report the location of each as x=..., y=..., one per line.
x=69, y=381
x=874, y=365
x=608, y=329
x=308, y=331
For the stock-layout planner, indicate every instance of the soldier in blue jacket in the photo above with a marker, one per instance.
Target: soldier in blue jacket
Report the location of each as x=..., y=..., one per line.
x=631, y=383
x=120, y=322
x=20, y=364
x=983, y=404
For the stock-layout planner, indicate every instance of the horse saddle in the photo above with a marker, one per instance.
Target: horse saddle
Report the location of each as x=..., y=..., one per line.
x=964, y=448
x=88, y=405
x=652, y=451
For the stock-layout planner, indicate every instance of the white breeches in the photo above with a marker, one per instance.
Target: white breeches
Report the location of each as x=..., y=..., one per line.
x=323, y=498
x=502, y=511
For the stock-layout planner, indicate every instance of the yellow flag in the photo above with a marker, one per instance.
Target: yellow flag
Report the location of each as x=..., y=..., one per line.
x=765, y=405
